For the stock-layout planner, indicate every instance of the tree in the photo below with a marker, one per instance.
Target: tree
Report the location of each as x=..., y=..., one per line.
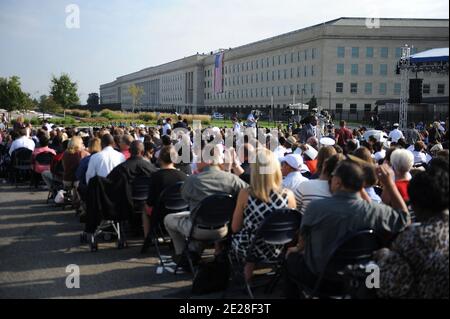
x=136, y=93
x=47, y=104
x=11, y=95
x=64, y=91
x=93, y=100
x=312, y=103
x=29, y=103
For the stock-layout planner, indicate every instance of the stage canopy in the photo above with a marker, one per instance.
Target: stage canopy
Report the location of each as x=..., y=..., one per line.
x=430, y=56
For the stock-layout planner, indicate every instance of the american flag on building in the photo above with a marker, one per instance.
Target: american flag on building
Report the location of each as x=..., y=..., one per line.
x=218, y=73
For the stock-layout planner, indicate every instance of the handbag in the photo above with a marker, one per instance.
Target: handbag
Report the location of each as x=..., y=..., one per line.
x=212, y=277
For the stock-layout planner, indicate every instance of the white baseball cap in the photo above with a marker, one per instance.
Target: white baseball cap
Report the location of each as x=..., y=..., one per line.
x=295, y=161
x=327, y=141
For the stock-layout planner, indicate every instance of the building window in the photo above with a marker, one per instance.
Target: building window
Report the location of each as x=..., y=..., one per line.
x=339, y=87
x=398, y=52
x=353, y=108
x=397, y=88
x=383, y=69
x=369, y=69
x=354, y=69
x=305, y=71
x=355, y=52
x=368, y=88
x=341, y=52
x=367, y=108
x=384, y=52
x=340, y=69
x=441, y=89
x=426, y=88
x=312, y=70
x=369, y=52
x=313, y=53
x=353, y=88
x=383, y=88
x=312, y=88
x=339, y=107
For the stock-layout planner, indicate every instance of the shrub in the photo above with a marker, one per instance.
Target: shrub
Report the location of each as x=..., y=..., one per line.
x=79, y=113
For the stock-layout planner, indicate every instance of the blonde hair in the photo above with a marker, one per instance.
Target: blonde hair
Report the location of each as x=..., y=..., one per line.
x=265, y=176
x=95, y=145
x=75, y=145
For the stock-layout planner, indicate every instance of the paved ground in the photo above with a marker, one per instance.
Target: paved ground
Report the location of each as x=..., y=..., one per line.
x=38, y=241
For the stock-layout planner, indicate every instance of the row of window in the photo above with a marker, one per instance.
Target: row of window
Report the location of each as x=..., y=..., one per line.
x=172, y=78
x=384, y=52
x=353, y=108
x=368, y=69
x=288, y=58
x=267, y=76
x=299, y=90
x=382, y=88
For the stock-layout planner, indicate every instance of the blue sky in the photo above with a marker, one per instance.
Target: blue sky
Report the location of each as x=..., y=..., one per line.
x=118, y=36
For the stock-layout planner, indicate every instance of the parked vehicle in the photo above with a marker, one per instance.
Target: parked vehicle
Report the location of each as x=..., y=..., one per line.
x=217, y=116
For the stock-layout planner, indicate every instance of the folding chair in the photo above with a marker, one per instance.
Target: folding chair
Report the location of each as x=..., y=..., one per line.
x=213, y=212
x=44, y=159
x=21, y=164
x=170, y=201
x=279, y=228
x=140, y=190
x=355, y=251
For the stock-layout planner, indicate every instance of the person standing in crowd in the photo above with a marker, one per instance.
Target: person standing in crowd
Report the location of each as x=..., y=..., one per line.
x=254, y=204
x=167, y=126
x=434, y=134
x=417, y=263
x=396, y=134
x=309, y=129
x=180, y=123
x=251, y=120
x=412, y=135
x=102, y=163
x=343, y=134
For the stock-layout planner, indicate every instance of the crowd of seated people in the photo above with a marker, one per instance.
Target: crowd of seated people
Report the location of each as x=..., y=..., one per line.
x=396, y=187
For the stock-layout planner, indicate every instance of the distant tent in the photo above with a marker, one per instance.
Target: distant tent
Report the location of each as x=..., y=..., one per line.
x=429, y=56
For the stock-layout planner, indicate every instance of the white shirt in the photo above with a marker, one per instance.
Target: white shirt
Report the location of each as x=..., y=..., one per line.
x=293, y=180
x=102, y=163
x=22, y=142
x=395, y=135
x=309, y=191
x=165, y=128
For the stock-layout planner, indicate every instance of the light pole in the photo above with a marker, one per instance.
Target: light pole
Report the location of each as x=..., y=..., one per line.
x=329, y=101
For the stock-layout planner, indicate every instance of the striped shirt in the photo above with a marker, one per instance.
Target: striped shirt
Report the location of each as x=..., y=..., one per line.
x=309, y=191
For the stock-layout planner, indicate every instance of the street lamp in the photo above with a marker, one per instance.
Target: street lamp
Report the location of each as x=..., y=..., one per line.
x=329, y=101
